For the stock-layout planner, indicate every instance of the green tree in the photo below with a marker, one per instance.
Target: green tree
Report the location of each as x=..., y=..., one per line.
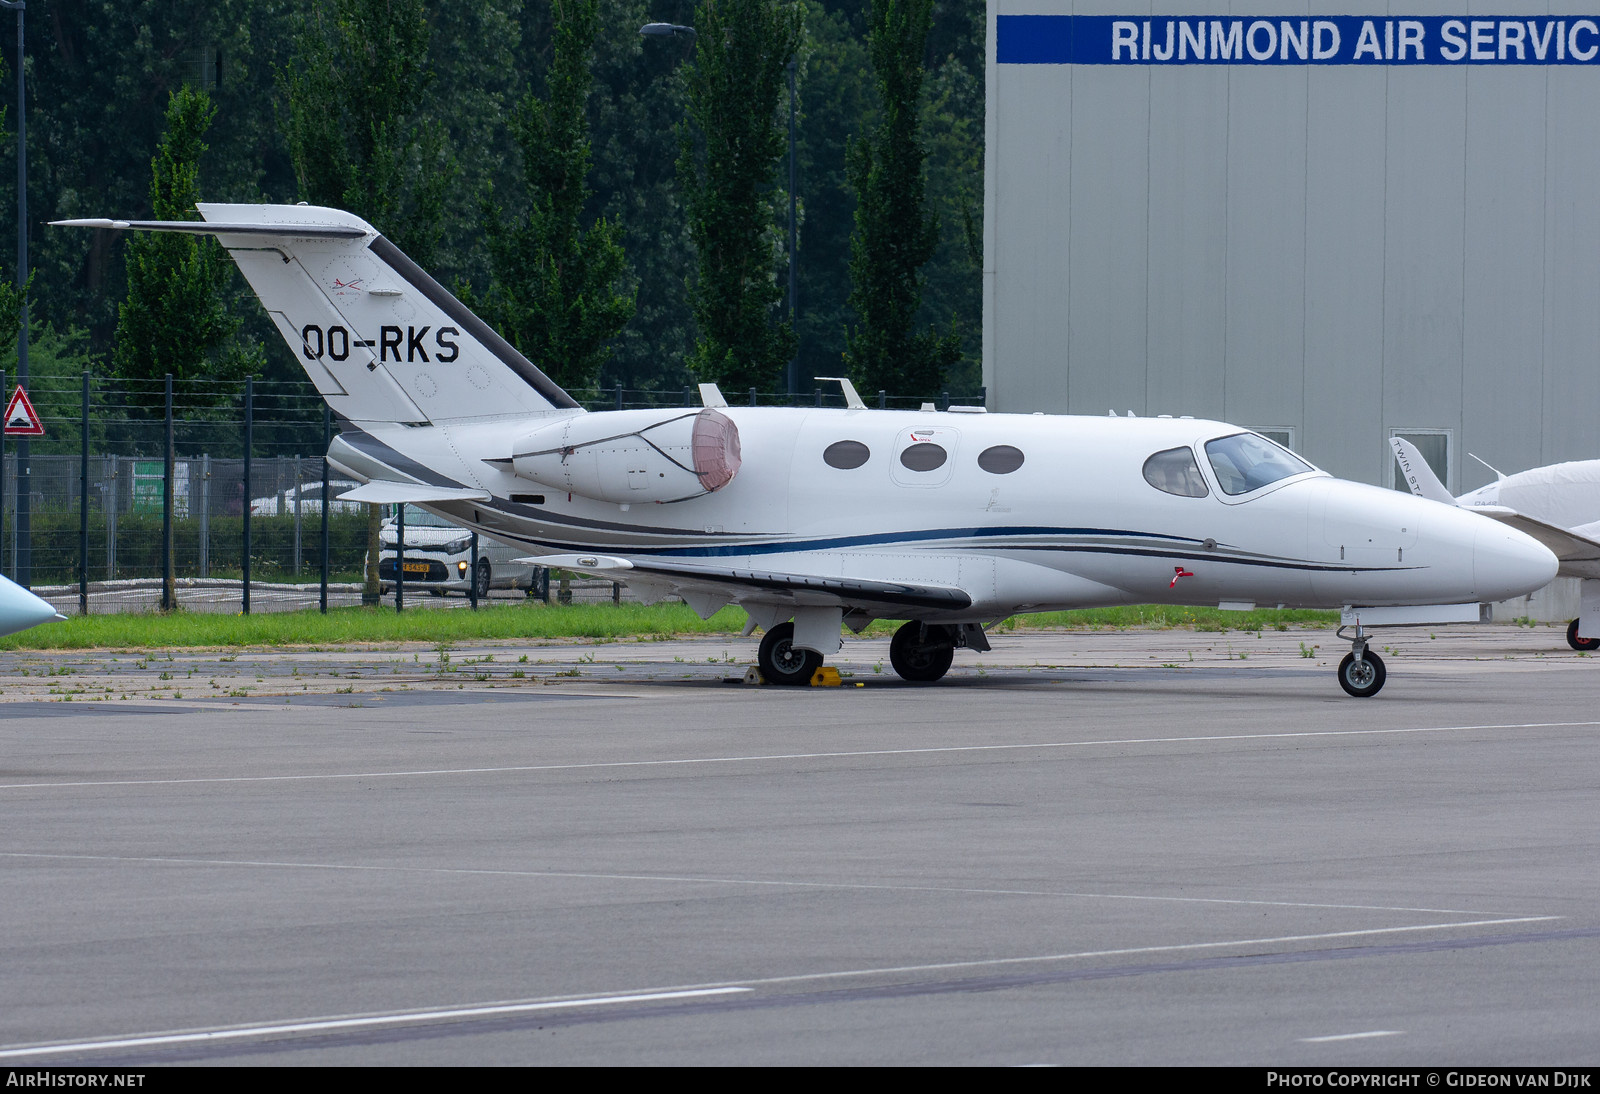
x=359, y=141
x=557, y=292
x=895, y=234
x=635, y=109
x=952, y=126
x=176, y=318
x=354, y=128
x=837, y=98
x=727, y=168
x=99, y=76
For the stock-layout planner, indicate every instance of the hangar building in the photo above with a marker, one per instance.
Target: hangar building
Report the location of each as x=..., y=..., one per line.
x=1330, y=228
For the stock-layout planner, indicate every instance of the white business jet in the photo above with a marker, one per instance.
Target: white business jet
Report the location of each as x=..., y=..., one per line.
x=813, y=519
x=1558, y=505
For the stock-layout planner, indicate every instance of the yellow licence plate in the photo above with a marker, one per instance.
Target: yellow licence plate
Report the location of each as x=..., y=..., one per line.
x=416, y=567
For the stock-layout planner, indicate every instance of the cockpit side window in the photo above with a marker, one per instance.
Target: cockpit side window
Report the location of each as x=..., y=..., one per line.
x=1246, y=462
x=1175, y=472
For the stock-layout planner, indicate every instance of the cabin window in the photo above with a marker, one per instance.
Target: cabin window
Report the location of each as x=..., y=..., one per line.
x=1175, y=472
x=846, y=455
x=923, y=457
x=1246, y=462
x=1001, y=459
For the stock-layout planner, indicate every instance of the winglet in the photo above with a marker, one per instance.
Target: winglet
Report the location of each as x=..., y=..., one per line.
x=1418, y=475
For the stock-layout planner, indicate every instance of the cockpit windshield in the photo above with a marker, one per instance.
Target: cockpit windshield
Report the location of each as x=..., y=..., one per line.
x=1244, y=462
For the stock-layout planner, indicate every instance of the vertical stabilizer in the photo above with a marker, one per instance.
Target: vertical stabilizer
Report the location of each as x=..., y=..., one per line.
x=381, y=340
x=1418, y=475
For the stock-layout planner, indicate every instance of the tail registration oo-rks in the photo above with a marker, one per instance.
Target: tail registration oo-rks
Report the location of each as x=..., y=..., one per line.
x=814, y=519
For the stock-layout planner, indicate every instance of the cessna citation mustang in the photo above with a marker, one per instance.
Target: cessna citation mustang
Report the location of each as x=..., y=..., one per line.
x=813, y=519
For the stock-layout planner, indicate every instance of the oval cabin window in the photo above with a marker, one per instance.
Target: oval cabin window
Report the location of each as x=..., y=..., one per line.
x=1002, y=459
x=846, y=455
x=923, y=457
x=1174, y=471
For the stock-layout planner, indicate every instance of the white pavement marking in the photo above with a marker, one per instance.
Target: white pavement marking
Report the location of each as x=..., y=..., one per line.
x=680, y=879
x=1353, y=1036
x=323, y=1025
x=327, y=1025
x=790, y=756
x=1134, y=951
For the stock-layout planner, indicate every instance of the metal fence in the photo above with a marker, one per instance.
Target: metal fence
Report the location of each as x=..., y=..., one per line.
x=246, y=527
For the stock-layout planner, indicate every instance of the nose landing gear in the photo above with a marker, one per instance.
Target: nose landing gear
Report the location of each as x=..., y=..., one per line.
x=1578, y=641
x=1361, y=673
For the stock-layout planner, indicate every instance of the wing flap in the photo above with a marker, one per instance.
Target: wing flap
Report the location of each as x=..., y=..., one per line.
x=707, y=582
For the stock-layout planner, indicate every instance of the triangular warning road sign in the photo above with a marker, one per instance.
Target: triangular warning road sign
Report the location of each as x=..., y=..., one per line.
x=21, y=419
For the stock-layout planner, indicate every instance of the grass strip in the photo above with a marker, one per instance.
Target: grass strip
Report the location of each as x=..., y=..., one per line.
x=510, y=622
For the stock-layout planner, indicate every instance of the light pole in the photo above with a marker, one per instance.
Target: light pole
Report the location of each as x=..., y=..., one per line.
x=22, y=560
x=793, y=370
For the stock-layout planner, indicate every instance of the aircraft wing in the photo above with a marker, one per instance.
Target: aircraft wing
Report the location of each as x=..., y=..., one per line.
x=703, y=585
x=1578, y=553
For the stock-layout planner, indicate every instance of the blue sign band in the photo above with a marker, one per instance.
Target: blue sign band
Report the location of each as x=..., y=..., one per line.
x=1297, y=40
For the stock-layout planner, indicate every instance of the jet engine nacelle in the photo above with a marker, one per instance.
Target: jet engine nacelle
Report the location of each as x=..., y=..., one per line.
x=633, y=455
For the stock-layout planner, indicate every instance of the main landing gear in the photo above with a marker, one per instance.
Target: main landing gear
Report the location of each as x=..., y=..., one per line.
x=1361, y=673
x=920, y=652
x=783, y=662
x=1577, y=641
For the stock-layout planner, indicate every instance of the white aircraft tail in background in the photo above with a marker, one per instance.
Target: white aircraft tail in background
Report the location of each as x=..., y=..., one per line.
x=813, y=518
x=1558, y=505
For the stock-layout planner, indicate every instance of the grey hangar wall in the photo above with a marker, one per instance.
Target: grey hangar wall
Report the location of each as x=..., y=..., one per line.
x=1338, y=226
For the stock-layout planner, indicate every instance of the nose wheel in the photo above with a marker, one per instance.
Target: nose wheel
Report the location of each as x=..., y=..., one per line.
x=1361, y=673
x=1362, y=676
x=1577, y=641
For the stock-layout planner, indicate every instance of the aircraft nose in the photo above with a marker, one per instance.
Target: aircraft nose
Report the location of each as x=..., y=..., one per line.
x=1507, y=563
x=20, y=609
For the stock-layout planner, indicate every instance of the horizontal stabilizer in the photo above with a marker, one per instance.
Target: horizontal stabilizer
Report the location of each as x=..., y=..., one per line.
x=379, y=492
x=206, y=227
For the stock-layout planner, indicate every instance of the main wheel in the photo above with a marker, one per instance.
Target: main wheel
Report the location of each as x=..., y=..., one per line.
x=920, y=655
x=1362, y=678
x=783, y=662
x=1578, y=643
x=482, y=578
